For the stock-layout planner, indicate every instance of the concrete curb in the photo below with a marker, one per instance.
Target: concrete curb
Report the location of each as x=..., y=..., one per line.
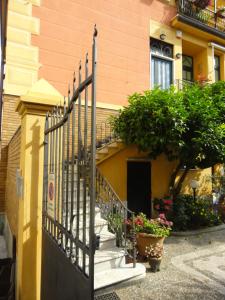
x=199, y=231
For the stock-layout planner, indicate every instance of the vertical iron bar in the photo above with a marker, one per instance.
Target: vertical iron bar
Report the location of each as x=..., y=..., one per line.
x=85, y=160
x=63, y=167
x=72, y=162
x=45, y=187
x=59, y=169
x=50, y=146
x=93, y=164
x=52, y=170
x=67, y=164
x=78, y=165
x=56, y=173
x=59, y=205
x=134, y=241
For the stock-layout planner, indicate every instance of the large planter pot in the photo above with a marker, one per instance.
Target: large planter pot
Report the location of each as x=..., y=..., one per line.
x=145, y=240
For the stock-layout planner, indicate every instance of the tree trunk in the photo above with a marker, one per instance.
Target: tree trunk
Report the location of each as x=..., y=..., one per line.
x=173, y=177
x=176, y=188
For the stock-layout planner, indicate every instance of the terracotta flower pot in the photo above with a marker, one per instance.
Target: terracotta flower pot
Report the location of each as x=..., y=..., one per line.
x=154, y=263
x=145, y=240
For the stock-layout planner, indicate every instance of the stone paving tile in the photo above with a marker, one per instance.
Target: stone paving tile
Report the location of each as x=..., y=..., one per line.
x=193, y=268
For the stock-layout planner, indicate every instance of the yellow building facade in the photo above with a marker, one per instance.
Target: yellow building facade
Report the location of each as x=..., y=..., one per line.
x=41, y=48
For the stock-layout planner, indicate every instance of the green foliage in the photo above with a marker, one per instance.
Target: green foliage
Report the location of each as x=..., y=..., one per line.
x=152, y=226
x=115, y=225
x=190, y=214
x=187, y=125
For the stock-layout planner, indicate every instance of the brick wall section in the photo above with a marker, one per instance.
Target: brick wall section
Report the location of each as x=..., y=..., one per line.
x=11, y=199
x=10, y=123
x=102, y=125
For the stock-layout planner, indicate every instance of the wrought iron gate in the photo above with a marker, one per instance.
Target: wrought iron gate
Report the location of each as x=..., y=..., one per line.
x=69, y=240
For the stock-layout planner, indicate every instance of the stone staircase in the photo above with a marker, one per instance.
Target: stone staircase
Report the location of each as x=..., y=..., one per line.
x=108, y=149
x=110, y=261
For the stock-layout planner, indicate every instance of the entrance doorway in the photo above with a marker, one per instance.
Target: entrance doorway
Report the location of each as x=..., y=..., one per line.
x=139, y=186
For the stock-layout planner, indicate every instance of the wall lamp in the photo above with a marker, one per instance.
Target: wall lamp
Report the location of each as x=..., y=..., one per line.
x=178, y=55
x=162, y=36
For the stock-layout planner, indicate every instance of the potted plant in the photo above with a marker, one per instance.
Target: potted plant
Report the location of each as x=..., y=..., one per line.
x=154, y=255
x=151, y=231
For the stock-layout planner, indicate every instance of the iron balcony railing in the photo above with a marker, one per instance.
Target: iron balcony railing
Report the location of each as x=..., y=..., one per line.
x=208, y=18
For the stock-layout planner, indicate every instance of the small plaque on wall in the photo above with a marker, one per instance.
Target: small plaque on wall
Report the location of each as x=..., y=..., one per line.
x=19, y=184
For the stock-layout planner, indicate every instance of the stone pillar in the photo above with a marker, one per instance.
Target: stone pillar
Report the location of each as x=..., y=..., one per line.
x=32, y=108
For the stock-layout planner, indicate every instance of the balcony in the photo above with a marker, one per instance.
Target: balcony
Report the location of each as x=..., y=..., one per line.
x=209, y=20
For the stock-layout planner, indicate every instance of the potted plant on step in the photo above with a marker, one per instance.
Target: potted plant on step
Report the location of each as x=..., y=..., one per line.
x=150, y=232
x=154, y=255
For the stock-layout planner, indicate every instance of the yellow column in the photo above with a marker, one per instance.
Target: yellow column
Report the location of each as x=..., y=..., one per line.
x=210, y=64
x=32, y=108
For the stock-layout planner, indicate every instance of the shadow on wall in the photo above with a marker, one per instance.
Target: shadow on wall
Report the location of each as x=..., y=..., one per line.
x=167, y=10
x=30, y=236
x=203, y=178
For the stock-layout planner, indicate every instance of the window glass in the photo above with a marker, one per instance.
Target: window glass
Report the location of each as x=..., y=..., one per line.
x=187, y=65
x=217, y=67
x=161, y=63
x=161, y=48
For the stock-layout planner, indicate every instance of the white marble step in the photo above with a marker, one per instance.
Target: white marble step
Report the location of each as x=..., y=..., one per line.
x=108, y=259
x=97, y=212
x=118, y=275
x=107, y=241
x=101, y=227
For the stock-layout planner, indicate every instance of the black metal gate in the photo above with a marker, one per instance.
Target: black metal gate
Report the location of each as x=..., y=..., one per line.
x=69, y=240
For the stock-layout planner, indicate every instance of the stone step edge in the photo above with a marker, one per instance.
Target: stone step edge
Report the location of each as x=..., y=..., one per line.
x=119, y=275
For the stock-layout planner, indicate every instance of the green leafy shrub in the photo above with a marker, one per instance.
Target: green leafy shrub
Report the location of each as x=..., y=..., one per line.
x=191, y=214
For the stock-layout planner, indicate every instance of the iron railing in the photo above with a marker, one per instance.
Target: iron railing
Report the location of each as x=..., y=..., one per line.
x=117, y=215
x=180, y=84
x=206, y=16
x=68, y=209
x=104, y=134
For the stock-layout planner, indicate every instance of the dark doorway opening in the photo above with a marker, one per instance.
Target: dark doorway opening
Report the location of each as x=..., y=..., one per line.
x=139, y=186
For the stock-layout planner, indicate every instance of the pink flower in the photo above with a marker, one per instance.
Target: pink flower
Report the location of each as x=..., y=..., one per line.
x=162, y=216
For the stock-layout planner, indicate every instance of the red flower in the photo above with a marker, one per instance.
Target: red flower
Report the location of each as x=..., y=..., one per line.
x=169, y=202
x=139, y=221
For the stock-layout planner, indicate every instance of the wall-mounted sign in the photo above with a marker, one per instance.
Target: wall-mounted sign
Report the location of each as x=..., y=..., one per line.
x=51, y=195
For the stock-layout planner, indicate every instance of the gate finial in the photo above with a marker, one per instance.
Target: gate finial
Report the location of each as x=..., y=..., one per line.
x=95, y=31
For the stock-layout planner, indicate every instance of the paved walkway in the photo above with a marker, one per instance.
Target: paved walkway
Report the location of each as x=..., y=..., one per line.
x=192, y=268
